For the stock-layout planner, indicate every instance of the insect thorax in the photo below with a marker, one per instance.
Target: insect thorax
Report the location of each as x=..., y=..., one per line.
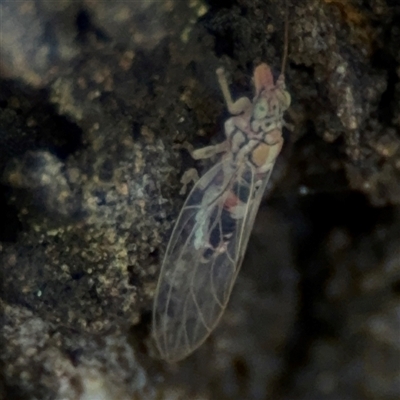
x=258, y=143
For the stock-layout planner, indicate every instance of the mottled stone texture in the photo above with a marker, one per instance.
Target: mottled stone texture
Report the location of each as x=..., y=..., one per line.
x=99, y=101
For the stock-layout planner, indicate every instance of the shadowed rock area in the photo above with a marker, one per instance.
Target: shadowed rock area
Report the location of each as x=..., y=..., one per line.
x=99, y=103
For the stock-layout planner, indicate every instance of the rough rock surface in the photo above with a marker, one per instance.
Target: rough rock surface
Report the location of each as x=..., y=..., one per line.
x=98, y=102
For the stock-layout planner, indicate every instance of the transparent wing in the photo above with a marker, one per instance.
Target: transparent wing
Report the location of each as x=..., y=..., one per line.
x=203, y=257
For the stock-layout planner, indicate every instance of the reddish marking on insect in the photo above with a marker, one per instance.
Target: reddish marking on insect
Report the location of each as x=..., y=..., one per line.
x=231, y=201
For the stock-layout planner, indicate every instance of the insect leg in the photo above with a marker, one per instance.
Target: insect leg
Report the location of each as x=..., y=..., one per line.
x=209, y=151
x=239, y=106
x=191, y=175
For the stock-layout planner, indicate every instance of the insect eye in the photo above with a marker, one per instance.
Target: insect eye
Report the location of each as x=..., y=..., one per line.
x=284, y=99
x=287, y=100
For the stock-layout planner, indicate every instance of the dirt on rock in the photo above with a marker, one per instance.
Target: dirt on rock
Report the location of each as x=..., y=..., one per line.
x=99, y=104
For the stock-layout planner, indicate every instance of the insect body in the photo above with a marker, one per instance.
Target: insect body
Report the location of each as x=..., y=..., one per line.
x=210, y=237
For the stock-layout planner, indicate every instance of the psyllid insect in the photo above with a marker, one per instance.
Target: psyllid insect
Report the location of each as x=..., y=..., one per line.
x=210, y=237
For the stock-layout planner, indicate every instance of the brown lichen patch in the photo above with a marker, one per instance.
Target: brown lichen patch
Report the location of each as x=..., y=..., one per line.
x=359, y=20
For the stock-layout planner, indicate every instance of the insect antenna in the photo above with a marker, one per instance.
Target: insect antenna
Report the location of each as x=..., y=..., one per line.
x=286, y=39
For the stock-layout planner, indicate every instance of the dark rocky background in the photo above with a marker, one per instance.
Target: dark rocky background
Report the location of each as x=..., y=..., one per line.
x=98, y=101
